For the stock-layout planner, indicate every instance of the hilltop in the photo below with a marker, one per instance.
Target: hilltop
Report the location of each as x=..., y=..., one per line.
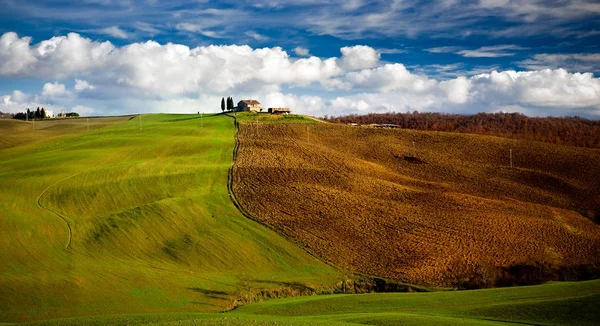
x=431, y=208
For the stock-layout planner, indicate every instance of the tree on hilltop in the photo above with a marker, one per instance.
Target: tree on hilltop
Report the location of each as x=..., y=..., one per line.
x=229, y=104
x=222, y=104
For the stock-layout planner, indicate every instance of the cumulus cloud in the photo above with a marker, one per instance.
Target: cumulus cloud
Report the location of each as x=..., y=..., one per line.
x=19, y=101
x=15, y=54
x=301, y=51
x=84, y=110
x=174, y=77
x=546, y=88
x=54, y=90
x=388, y=78
x=82, y=85
x=457, y=90
x=57, y=57
x=359, y=57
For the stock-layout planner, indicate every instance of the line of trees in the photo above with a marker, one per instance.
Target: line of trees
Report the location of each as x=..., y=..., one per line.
x=39, y=114
x=229, y=105
x=574, y=131
x=29, y=114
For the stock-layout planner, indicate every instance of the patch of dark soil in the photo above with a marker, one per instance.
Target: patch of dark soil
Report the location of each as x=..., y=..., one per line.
x=413, y=159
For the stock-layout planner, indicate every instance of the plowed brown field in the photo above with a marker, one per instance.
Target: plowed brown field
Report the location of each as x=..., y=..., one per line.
x=374, y=202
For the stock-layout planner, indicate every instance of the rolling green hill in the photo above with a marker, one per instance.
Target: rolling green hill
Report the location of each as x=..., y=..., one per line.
x=549, y=304
x=123, y=220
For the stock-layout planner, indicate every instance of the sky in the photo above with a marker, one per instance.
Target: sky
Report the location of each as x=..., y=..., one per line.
x=323, y=58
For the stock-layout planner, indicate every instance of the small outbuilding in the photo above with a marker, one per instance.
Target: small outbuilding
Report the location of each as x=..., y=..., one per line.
x=279, y=110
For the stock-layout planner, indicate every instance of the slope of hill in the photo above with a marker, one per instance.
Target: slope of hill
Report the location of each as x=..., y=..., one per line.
x=549, y=304
x=18, y=133
x=123, y=220
x=425, y=207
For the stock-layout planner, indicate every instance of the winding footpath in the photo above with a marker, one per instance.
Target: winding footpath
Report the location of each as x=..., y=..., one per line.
x=39, y=202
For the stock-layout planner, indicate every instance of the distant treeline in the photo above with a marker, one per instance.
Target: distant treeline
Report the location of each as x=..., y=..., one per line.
x=34, y=114
x=574, y=131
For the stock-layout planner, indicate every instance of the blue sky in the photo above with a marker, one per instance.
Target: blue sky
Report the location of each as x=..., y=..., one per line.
x=114, y=57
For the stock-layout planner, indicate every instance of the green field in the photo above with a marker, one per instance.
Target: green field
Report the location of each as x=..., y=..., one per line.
x=549, y=304
x=118, y=225
x=122, y=220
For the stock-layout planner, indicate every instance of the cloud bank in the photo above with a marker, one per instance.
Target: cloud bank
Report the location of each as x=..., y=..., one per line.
x=83, y=73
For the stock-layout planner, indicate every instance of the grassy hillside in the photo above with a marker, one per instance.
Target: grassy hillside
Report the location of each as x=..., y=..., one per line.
x=548, y=304
x=424, y=207
x=123, y=220
x=251, y=117
x=17, y=133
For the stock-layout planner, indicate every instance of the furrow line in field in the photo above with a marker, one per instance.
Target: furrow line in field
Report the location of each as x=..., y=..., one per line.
x=39, y=202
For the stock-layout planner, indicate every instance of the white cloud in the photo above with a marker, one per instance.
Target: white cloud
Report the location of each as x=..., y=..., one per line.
x=491, y=51
x=82, y=85
x=115, y=31
x=15, y=54
x=146, y=27
x=188, y=27
x=494, y=51
x=443, y=49
x=457, y=89
x=19, y=102
x=54, y=90
x=84, y=110
x=301, y=51
x=195, y=28
x=359, y=57
x=256, y=36
x=19, y=97
x=390, y=51
x=57, y=57
x=167, y=77
x=388, y=78
x=545, y=88
x=572, y=61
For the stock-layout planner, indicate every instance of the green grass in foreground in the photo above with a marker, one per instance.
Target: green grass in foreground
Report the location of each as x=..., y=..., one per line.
x=549, y=304
x=152, y=227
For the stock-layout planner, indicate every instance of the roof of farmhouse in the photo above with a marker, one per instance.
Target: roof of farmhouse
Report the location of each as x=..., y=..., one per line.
x=250, y=102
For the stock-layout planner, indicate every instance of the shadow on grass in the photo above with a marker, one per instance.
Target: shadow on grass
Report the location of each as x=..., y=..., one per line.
x=211, y=293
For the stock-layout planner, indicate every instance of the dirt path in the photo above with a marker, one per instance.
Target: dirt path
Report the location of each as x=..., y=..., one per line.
x=314, y=119
x=39, y=202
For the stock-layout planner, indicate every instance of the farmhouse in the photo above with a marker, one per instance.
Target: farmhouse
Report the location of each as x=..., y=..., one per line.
x=249, y=105
x=279, y=110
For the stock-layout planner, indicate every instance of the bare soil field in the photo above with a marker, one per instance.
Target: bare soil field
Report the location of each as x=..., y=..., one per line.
x=430, y=208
